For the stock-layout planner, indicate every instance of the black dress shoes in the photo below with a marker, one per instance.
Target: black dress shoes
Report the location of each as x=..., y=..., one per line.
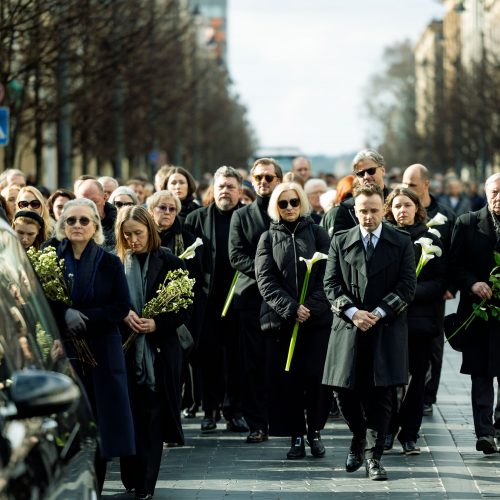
x=374, y=470
x=410, y=448
x=208, y=424
x=354, y=460
x=297, y=450
x=389, y=442
x=317, y=447
x=237, y=424
x=258, y=436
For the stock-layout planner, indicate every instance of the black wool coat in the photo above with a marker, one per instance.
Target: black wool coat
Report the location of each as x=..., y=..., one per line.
x=389, y=283
x=471, y=260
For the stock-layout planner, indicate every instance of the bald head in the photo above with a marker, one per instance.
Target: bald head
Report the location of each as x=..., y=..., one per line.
x=416, y=177
x=92, y=190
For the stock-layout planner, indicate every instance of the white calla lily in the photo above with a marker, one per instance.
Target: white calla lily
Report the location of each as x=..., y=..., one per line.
x=434, y=231
x=315, y=258
x=438, y=220
x=429, y=251
x=190, y=251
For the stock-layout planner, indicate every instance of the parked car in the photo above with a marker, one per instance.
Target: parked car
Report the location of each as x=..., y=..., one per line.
x=47, y=431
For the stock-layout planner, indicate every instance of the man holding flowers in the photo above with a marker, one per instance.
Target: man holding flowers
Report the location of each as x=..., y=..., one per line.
x=369, y=282
x=476, y=236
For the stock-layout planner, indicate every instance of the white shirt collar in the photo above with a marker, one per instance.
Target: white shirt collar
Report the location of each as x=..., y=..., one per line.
x=376, y=232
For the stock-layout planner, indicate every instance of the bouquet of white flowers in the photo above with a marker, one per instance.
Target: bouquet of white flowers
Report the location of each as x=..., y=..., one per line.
x=174, y=294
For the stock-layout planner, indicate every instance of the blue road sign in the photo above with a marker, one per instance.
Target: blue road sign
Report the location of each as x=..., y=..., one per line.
x=4, y=126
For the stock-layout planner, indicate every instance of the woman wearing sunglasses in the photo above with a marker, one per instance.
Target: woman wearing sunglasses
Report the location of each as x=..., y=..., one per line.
x=100, y=301
x=29, y=198
x=123, y=196
x=164, y=207
x=155, y=359
x=280, y=276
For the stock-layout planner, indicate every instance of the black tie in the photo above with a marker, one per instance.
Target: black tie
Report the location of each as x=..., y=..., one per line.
x=369, y=248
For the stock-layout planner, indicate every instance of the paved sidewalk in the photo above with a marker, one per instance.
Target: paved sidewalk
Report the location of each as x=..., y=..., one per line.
x=222, y=465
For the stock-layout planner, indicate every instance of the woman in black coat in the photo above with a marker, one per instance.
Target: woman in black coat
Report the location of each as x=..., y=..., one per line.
x=155, y=358
x=180, y=182
x=424, y=316
x=280, y=274
x=100, y=301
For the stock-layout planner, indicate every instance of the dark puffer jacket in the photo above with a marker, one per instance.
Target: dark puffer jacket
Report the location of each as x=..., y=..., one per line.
x=280, y=274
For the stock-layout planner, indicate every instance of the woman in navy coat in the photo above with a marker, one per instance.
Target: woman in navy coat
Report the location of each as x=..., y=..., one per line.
x=155, y=359
x=100, y=301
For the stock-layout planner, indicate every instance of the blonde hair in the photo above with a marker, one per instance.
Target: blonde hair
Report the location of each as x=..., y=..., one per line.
x=273, y=210
x=48, y=221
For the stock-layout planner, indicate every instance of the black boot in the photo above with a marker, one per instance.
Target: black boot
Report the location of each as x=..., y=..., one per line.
x=317, y=447
x=298, y=448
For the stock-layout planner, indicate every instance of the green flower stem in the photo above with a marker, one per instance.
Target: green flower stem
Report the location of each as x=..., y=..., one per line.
x=467, y=322
x=230, y=295
x=293, y=340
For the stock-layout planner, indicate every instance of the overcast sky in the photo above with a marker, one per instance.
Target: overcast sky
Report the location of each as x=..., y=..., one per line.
x=300, y=65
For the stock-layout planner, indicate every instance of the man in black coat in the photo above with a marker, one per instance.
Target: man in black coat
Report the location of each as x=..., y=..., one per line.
x=369, y=168
x=218, y=350
x=247, y=226
x=475, y=239
x=369, y=282
x=416, y=177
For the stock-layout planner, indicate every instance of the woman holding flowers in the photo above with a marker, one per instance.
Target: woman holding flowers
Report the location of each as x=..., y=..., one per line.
x=280, y=276
x=404, y=209
x=99, y=300
x=155, y=358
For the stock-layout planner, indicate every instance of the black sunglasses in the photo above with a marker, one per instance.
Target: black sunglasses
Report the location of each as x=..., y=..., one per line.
x=294, y=202
x=369, y=171
x=268, y=177
x=84, y=221
x=33, y=204
x=120, y=204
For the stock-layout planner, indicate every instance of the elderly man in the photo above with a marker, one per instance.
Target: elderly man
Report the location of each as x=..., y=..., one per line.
x=369, y=281
x=302, y=166
x=93, y=190
x=109, y=184
x=12, y=176
x=417, y=178
x=314, y=188
x=369, y=168
x=219, y=347
x=247, y=225
x=475, y=239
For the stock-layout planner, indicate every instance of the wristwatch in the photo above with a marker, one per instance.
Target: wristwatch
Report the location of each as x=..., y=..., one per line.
x=377, y=313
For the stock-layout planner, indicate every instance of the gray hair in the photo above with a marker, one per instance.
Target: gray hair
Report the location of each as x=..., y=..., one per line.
x=492, y=178
x=154, y=200
x=305, y=208
x=228, y=172
x=124, y=190
x=313, y=184
x=80, y=202
x=368, y=154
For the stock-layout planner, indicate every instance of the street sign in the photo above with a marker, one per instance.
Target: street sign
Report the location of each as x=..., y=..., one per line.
x=4, y=126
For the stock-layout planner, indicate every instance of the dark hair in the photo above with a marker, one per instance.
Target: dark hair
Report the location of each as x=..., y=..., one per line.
x=139, y=214
x=190, y=179
x=268, y=161
x=65, y=193
x=420, y=213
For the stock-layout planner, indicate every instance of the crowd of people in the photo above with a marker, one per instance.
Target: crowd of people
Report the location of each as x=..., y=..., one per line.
x=311, y=297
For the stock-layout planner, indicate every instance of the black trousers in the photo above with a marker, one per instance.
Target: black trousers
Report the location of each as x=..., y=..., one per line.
x=218, y=354
x=141, y=470
x=483, y=402
x=436, y=363
x=299, y=389
x=409, y=418
x=253, y=365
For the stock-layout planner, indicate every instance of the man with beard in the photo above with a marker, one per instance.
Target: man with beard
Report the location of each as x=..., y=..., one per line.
x=475, y=239
x=218, y=350
x=247, y=225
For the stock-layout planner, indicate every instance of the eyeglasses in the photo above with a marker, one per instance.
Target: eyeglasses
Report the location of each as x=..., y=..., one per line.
x=294, y=202
x=84, y=221
x=268, y=177
x=120, y=204
x=166, y=208
x=33, y=204
x=369, y=171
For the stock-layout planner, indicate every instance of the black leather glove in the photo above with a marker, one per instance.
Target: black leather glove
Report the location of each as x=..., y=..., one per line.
x=75, y=321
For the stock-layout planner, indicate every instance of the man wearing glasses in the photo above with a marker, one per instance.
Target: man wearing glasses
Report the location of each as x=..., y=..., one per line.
x=247, y=225
x=369, y=168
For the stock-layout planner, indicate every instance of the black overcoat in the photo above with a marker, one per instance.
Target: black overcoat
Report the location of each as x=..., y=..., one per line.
x=389, y=283
x=472, y=259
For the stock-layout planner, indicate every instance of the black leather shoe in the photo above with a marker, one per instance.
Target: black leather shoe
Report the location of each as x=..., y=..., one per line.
x=374, y=470
x=428, y=410
x=354, y=460
x=257, y=437
x=208, y=424
x=237, y=424
x=486, y=444
x=143, y=496
x=317, y=446
x=189, y=413
x=297, y=450
x=410, y=448
x=389, y=442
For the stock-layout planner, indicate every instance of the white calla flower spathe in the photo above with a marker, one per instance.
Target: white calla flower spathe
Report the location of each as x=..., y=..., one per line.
x=434, y=231
x=438, y=220
x=429, y=251
x=190, y=251
x=315, y=258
